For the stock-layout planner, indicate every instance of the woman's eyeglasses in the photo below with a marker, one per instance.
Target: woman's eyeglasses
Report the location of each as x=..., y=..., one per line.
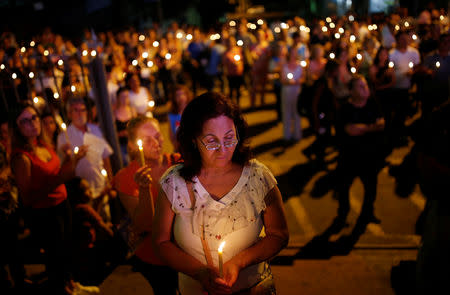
x=214, y=146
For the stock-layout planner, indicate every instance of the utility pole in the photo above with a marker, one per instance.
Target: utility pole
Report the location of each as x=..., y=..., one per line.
x=104, y=111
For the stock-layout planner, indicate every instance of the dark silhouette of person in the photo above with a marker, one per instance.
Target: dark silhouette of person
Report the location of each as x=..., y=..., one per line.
x=362, y=125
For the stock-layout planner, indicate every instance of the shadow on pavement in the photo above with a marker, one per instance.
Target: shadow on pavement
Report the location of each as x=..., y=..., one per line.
x=256, y=129
x=293, y=182
x=320, y=247
x=262, y=148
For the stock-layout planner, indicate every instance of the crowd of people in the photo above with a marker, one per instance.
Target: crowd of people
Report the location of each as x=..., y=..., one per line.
x=356, y=80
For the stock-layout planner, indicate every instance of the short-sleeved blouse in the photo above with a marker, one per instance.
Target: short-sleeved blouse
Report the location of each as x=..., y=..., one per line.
x=236, y=219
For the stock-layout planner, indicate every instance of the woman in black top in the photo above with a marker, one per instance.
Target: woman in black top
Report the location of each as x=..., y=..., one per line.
x=360, y=153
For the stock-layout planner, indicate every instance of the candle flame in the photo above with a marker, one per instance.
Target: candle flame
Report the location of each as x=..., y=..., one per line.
x=139, y=143
x=104, y=173
x=76, y=150
x=63, y=126
x=220, y=250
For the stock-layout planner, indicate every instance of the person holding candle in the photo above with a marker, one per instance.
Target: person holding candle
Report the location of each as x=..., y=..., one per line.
x=233, y=64
x=140, y=97
x=381, y=80
x=291, y=79
x=82, y=133
x=219, y=194
x=436, y=68
x=402, y=56
x=40, y=178
x=360, y=150
x=138, y=187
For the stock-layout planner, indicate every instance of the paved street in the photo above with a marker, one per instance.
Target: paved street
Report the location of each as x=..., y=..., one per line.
x=360, y=264
x=351, y=262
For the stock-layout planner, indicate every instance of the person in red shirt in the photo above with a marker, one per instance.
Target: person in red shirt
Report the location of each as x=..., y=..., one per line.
x=138, y=188
x=40, y=178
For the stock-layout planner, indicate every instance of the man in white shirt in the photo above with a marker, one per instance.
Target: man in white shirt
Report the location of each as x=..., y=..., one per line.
x=80, y=133
x=405, y=59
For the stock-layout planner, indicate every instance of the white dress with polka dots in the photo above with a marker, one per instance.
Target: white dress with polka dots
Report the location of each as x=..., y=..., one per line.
x=236, y=219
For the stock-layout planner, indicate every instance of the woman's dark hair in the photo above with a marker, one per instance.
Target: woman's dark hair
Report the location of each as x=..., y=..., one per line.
x=376, y=60
x=54, y=137
x=18, y=140
x=331, y=66
x=173, y=106
x=202, y=108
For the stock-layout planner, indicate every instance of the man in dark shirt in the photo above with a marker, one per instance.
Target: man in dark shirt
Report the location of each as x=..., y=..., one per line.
x=360, y=155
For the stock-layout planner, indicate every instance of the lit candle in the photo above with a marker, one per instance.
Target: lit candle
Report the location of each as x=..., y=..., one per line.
x=104, y=173
x=411, y=64
x=391, y=64
x=141, y=152
x=438, y=64
x=303, y=63
x=76, y=150
x=237, y=57
x=220, y=252
x=64, y=129
x=290, y=76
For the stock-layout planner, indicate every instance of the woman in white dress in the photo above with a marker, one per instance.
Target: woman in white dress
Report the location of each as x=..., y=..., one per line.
x=222, y=195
